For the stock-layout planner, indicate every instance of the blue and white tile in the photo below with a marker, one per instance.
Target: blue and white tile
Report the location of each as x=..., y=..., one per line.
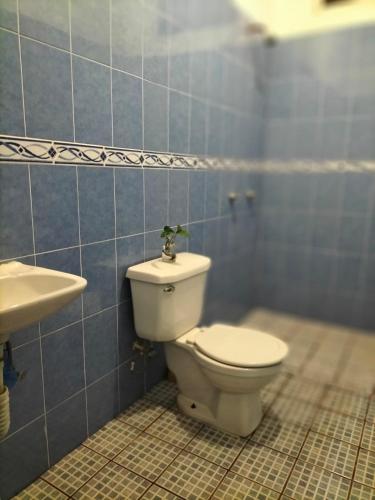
x=90, y=29
x=63, y=364
x=155, y=46
x=156, y=199
x=126, y=331
x=55, y=215
x=51, y=25
x=102, y=401
x=155, y=100
x=11, y=117
x=99, y=268
x=129, y=202
x=127, y=110
x=130, y=251
x=47, y=91
x=92, y=102
x=96, y=204
x=23, y=457
x=178, y=197
x=100, y=332
x=127, y=43
x=178, y=122
x=198, y=125
x=16, y=236
x=197, y=182
x=26, y=397
x=66, y=426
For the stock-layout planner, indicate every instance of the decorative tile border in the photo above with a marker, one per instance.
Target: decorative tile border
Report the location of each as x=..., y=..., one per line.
x=30, y=150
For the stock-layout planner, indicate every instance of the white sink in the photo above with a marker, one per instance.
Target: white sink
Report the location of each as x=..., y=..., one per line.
x=28, y=294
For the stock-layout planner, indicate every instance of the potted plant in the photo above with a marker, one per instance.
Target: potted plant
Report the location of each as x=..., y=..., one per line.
x=169, y=248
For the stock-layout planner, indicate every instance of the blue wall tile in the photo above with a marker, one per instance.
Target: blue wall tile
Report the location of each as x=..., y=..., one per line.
x=11, y=117
x=26, y=397
x=359, y=191
x=51, y=25
x=63, y=364
x=90, y=29
x=179, y=65
x=153, y=245
x=129, y=201
x=155, y=46
x=361, y=145
x=99, y=268
x=25, y=335
x=198, y=124
x=23, y=457
x=212, y=194
x=156, y=199
x=55, y=215
x=126, y=331
x=96, y=204
x=8, y=14
x=16, y=237
x=352, y=232
x=178, y=122
x=127, y=110
x=92, y=102
x=127, y=43
x=155, y=367
x=47, y=91
x=67, y=261
x=66, y=426
x=196, y=195
x=100, y=332
x=130, y=251
x=155, y=117
x=196, y=239
x=131, y=379
x=348, y=273
x=178, y=197
x=102, y=401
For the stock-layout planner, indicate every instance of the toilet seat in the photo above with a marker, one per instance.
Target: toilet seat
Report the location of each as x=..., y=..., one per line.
x=240, y=347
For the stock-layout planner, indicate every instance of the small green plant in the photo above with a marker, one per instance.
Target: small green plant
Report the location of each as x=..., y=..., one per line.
x=169, y=234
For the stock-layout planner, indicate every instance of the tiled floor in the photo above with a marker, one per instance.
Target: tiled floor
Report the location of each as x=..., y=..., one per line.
x=316, y=440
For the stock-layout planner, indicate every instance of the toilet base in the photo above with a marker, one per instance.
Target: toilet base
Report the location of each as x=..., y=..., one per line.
x=238, y=414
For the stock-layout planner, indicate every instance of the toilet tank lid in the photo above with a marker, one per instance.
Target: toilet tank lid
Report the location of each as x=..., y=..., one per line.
x=159, y=272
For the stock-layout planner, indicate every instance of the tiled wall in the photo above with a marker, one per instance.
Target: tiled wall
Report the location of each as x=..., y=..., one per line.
x=76, y=71
x=317, y=244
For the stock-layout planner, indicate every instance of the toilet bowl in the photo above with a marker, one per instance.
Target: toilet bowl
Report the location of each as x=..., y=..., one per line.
x=219, y=369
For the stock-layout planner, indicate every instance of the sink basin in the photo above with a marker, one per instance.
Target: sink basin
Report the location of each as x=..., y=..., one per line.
x=28, y=294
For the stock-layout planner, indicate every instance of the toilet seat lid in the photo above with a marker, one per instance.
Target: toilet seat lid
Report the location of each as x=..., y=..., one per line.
x=243, y=347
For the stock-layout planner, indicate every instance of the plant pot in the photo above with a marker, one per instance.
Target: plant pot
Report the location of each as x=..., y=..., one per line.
x=169, y=253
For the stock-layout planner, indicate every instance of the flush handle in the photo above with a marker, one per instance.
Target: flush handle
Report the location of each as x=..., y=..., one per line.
x=169, y=289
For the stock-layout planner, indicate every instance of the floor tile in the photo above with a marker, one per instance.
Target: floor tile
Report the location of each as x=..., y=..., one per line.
x=280, y=436
x=329, y=453
x=216, y=446
x=368, y=436
x=157, y=493
x=74, y=470
x=345, y=402
x=164, y=393
x=112, y=438
x=303, y=389
x=278, y=382
x=361, y=492
x=191, y=477
x=267, y=397
x=365, y=469
x=113, y=482
x=263, y=465
x=147, y=456
x=142, y=413
x=292, y=410
x=308, y=481
x=40, y=490
x=175, y=428
x=239, y=488
x=342, y=427
x=371, y=411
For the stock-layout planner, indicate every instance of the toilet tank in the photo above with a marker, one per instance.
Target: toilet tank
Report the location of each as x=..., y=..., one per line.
x=168, y=296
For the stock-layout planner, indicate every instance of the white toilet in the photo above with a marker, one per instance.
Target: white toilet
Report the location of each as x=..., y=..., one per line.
x=220, y=369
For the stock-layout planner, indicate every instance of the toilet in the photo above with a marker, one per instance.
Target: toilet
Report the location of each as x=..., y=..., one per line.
x=220, y=369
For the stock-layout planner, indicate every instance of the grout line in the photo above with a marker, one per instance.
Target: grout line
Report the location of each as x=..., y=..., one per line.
x=21, y=68
x=71, y=65
x=82, y=304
